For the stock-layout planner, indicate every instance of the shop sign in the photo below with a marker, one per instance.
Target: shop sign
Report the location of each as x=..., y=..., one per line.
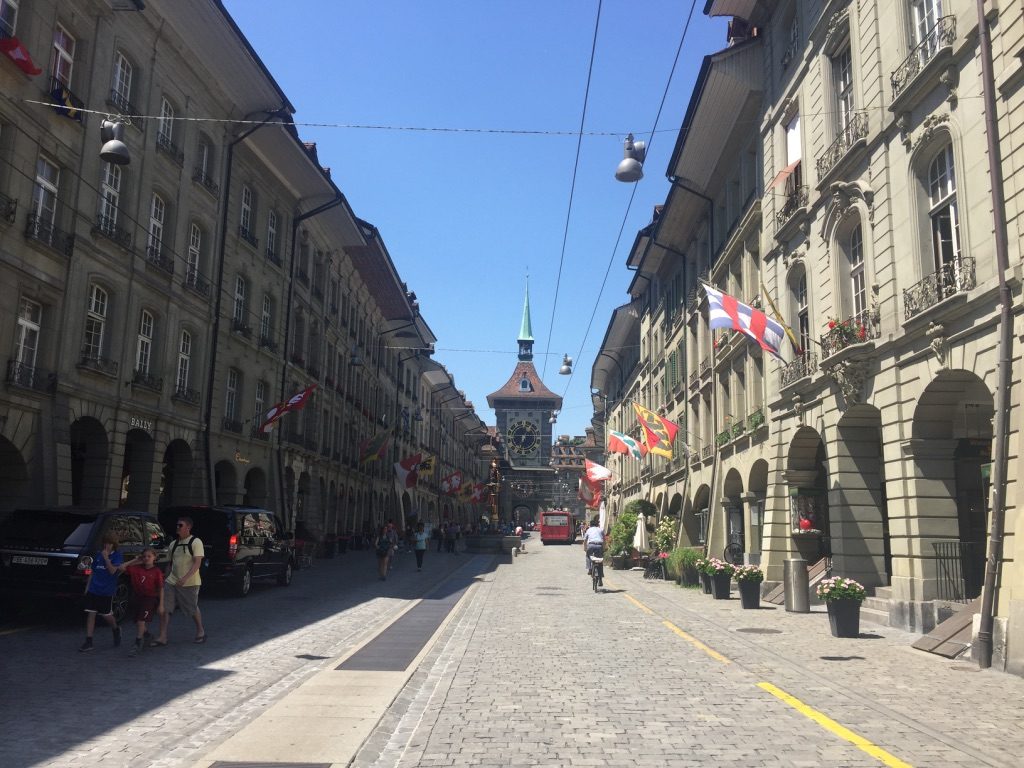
x=137, y=422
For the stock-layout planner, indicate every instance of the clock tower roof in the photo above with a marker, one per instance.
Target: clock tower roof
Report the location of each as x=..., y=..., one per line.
x=525, y=385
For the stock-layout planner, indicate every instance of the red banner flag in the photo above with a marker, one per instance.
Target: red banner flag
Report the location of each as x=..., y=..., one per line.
x=19, y=54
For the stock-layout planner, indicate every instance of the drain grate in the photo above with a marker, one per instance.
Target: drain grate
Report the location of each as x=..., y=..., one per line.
x=759, y=631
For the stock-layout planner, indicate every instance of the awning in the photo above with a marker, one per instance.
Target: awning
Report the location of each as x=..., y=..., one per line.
x=784, y=174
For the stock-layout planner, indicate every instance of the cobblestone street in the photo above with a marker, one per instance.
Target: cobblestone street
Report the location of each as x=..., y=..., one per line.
x=532, y=668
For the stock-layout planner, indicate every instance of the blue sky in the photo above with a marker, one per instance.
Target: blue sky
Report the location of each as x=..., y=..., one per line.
x=466, y=216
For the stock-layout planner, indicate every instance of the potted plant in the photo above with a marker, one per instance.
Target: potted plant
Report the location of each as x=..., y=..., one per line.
x=703, y=566
x=721, y=576
x=621, y=539
x=843, y=598
x=748, y=579
x=682, y=565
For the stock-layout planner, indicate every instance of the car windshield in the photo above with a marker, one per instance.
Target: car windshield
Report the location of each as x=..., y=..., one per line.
x=47, y=528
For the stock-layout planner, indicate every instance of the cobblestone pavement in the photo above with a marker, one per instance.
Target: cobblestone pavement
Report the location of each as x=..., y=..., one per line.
x=538, y=670
x=169, y=705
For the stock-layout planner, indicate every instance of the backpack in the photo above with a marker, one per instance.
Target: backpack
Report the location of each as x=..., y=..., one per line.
x=188, y=546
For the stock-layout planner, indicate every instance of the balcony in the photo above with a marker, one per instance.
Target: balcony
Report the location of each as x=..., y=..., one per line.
x=258, y=434
x=738, y=429
x=230, y=425
x=65, y=102
x=939, y=38
x=203, y=179
x=267, y=343
x=247, y=236
x=844, y=333
x=196, y=283
x=92, y=361
x=854, y=132
x=106, y=226
x=186, y=395
x=29, y=377
x=240, y=327
x=955, y=277
x=705, y=367
x=169, y=149
x=49, y=235
x=146, y=380
x=705, y=452
x=273, y=257
x=796, y=200
x=120, y=102
x=694, y=380
x=723, y=437
x=8, y=208
x=801, y=368
x=155, y=255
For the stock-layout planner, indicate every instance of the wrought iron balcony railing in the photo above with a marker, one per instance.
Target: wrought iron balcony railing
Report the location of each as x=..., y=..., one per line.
x=694, y=380
x=194, y=281
x=49, y=235
x=705, y=367
x=205, y=180
x=166, y=147
x=938, y=37
x=248, y=236
x=854, y=130
x=8, y=208
x=273, y=257
x=241, y=327
x=705, y=452
x=155, y=255
x=794, y=201
x=267, y=342
x=92, y=361
x=230, y=425
x=186, y=395
x=955, y=277
x=257, y=434
x=801, y=368
x=121, y=103
x=30, y=377
x=723, y=437
x=844, y=333
x=147, y=380
x=108, y=228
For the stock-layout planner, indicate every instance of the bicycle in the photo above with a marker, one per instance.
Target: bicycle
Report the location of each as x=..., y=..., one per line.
x=597, y=571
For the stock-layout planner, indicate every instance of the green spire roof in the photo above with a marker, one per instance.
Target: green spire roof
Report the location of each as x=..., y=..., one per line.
x=526, y=330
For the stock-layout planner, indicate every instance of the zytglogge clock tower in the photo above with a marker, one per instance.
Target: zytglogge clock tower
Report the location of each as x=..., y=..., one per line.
x=523, y=409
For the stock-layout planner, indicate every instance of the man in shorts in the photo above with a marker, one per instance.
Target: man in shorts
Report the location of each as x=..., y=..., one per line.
x=181, y=588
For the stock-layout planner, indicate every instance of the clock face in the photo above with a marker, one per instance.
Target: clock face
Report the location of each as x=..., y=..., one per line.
x=523, y=437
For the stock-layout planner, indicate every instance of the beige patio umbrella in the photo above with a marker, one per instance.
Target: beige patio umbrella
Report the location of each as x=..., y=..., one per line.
x=640, y=542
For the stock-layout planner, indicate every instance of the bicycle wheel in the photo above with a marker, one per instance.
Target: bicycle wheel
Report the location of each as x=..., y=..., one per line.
x=594, y=576
x=733, y=553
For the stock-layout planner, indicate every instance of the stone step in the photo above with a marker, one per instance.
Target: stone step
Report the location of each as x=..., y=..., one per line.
x=884, y=593
x=876, y=603
x=873, y=615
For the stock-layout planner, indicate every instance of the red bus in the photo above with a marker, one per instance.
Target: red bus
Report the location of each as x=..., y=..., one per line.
x=557, y=526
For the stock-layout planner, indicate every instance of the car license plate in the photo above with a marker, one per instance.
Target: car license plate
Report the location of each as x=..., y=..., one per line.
x=25, y=560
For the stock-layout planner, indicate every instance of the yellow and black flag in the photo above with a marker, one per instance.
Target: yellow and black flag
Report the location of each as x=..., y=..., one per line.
x=658, y=432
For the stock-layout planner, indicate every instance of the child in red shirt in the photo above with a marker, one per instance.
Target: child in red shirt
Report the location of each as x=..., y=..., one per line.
x=147, y=593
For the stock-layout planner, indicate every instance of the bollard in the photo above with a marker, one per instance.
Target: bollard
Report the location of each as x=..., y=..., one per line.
x=797, y=587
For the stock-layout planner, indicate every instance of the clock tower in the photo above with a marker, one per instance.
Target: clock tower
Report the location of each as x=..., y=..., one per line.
x=523, y=409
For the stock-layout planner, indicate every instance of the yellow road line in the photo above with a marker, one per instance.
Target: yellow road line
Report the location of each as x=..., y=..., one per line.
x=831, y=725
x=698, y=644
x=639, y=605
x=15, y=630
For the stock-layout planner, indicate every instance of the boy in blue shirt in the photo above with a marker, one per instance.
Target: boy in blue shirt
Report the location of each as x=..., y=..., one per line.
x=100, y=589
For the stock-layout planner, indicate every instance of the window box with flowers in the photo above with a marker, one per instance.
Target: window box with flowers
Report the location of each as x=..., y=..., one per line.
x=842, y=597
x=841, y=334
x=748, y=579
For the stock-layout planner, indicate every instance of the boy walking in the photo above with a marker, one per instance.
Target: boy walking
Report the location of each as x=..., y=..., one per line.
x=147, y=594
x=100, y=589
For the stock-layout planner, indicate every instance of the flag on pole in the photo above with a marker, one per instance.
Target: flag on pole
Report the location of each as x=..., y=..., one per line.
x=478, y=492
x=619, y=442
x=66, y=103
x=725, y=311
x=590, y=492
x=427, y=463
x=778, y=316
x=595, y=472
x=451, y=483
x=407, y=470
x=295, y=403
x=374, y=448
x=19, y=54
x=658, y=432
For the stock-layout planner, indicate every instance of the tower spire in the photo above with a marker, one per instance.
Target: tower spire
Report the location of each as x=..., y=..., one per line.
x=526, y=329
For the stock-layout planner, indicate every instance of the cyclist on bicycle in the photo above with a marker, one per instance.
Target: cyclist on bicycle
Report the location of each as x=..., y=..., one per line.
x=593, y=542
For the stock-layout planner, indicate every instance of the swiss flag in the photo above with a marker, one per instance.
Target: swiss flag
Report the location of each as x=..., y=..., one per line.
x=406, y=470
x=295, y=403
x=17, y=53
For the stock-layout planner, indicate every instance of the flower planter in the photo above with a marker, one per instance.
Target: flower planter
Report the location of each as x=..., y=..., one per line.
x=844, y=617
x=720, y=585
x=750, y=593
x=705, y=583
x=620, y=562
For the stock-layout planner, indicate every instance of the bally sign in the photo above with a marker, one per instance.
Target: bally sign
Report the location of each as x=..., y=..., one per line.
x=140, y=423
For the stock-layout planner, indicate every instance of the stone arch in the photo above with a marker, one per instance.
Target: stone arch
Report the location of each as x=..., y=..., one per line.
x=255, y=485
x=14, y=481
x=178, y=475
x=137, y=470
x=757, y=492
x=806, y=476
x=90, y=456
x=732, y=515
x=696, y=524
x=406, y=506
x=225, y=481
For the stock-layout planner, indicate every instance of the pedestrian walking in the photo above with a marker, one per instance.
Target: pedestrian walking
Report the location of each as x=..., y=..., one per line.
x=435, y=535
x=147, y=594
x=442, y=534
x=420, y=545
x=449, y=538
x=181, y=587
x=100, y=589
x=382, y=548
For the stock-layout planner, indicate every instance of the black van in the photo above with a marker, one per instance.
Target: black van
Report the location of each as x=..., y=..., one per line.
x=241, y=544
x=47, y=553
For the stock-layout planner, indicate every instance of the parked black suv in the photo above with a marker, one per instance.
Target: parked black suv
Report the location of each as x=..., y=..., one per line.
x=48, y=552
x=241, y=544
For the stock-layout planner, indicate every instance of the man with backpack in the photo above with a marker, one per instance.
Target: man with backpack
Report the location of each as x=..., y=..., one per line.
x=181, y=588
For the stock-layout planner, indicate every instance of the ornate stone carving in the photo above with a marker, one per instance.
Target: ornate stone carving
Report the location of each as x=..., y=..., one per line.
x=837, y=31
x=950, y=78
x=903, y=123
x=939, y=343
x=798, y=408
x=845, y=195
x=850, y=376
x=928, y=129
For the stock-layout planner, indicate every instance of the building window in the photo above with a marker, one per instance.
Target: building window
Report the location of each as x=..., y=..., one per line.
x=63, y=58
x=259, y=404
x=95, y=323
x=157, y=211
x=121, y=83
x=165, y=127
x=30, y=317
x=44, y=196
x=842, y=82
x=267, y=318
x=204, y=159
x=238, y=313
x=195, y=251
x=858, y=289
x=272, y=232
x=184, y=361
x=110, y=196
x=945, y=225
x=8, y=17
x=245, y=219
x=794, y=153
x=144, y=348
x=803, y=314
x=926, y=14
x=231, y=394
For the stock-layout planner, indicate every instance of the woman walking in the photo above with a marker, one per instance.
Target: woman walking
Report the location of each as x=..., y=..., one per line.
x=382, y=546
x=420, y=545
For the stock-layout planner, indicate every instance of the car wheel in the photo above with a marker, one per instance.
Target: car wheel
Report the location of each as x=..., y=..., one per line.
x=284, y=578
x=243, y=582
x=120, y=600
